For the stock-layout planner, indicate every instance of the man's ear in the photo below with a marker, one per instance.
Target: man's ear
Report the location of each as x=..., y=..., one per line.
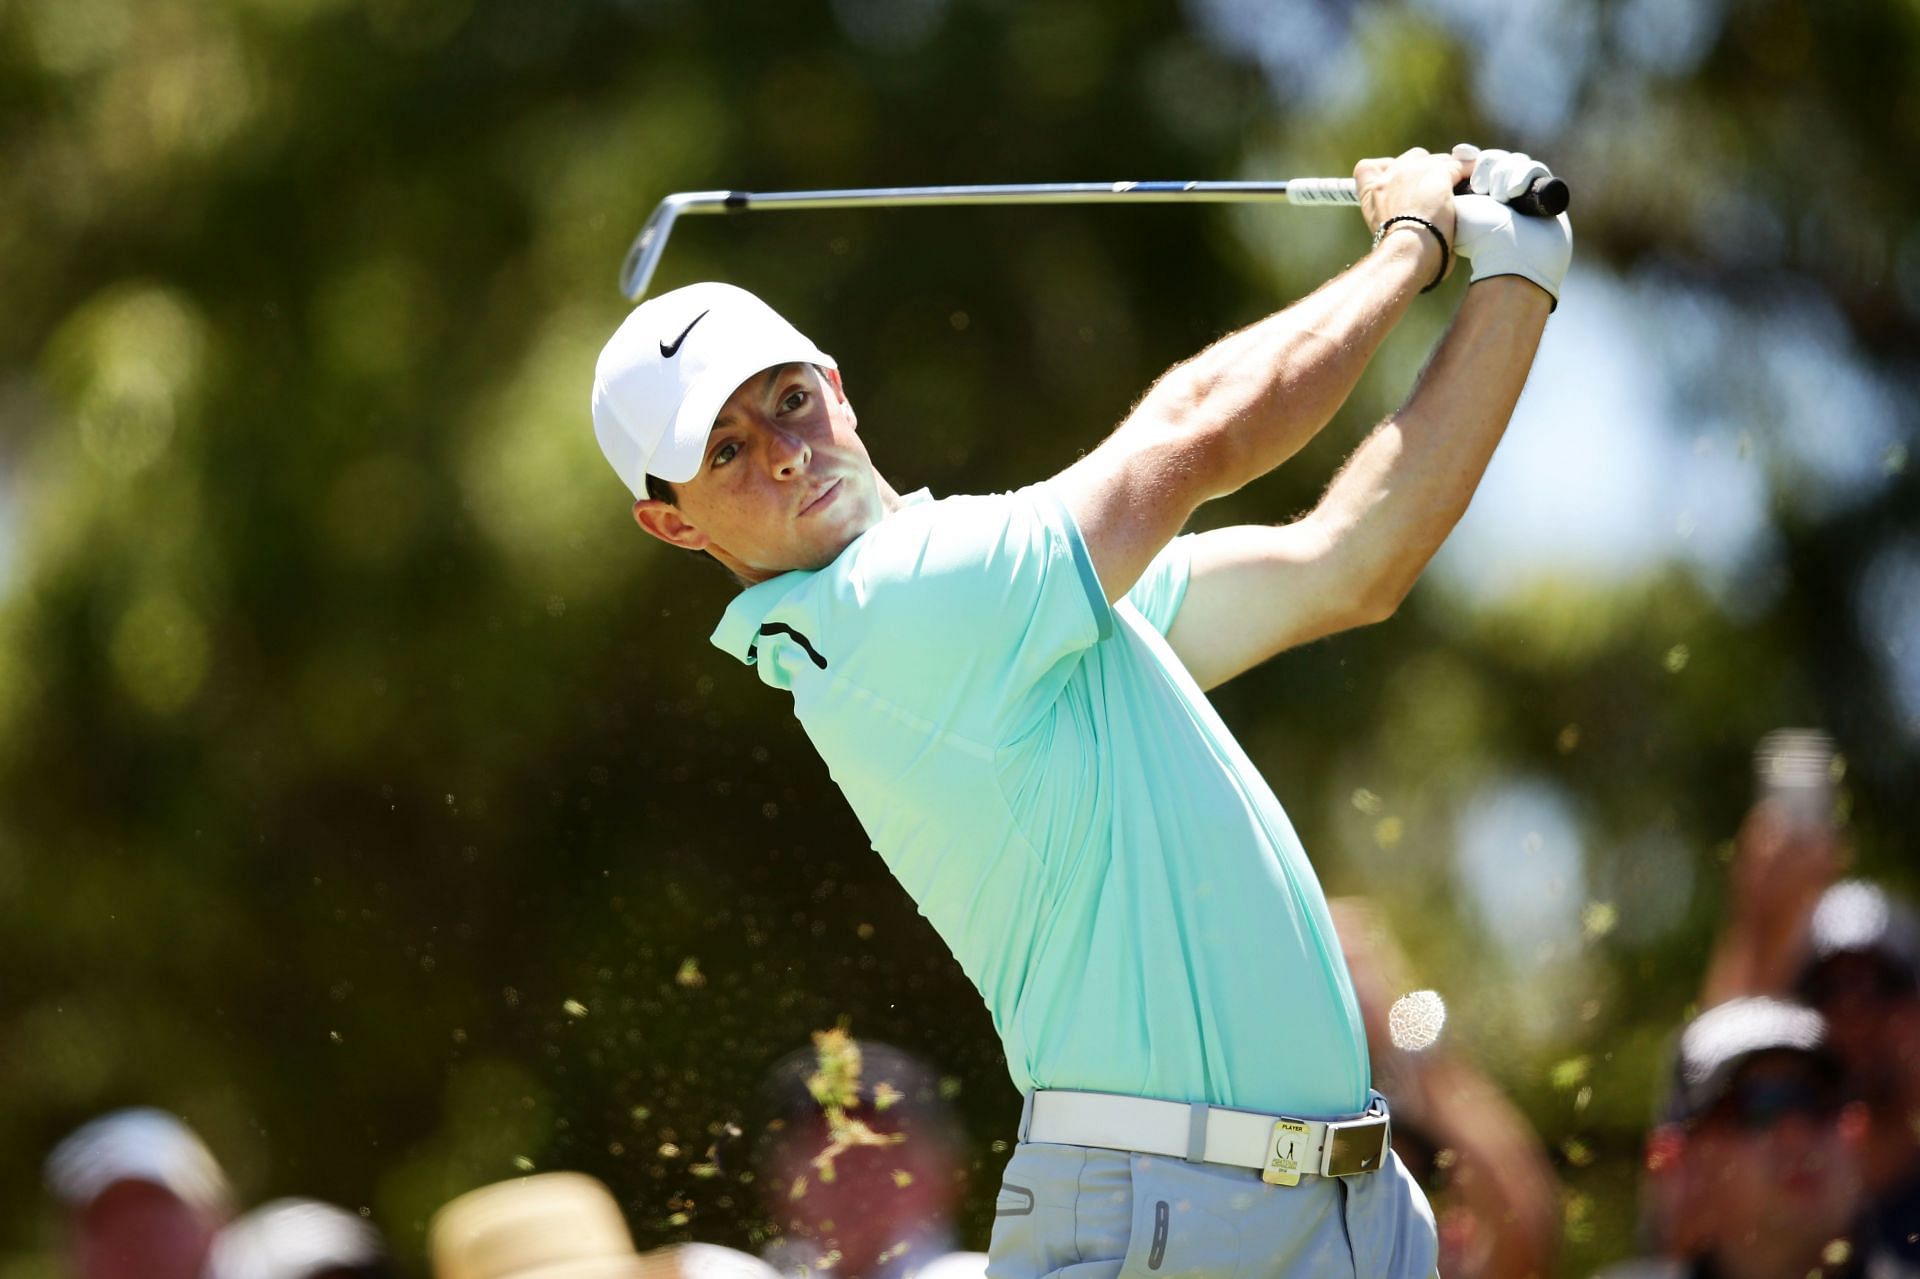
x=664, y=521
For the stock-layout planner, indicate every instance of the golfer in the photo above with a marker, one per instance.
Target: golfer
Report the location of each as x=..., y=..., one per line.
x=1010, y=688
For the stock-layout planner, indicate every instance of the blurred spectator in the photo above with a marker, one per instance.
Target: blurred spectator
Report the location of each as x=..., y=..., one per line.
x=298, y=1239
x=1493, y=1191
x=862, y=1165
x=1848, y=950
x=562, y=1225
x=143, y=1197
x=1862, y=973
x=1759, y=1161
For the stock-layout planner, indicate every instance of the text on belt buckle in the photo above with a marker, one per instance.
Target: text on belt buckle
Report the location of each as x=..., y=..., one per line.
x=1355, y=1146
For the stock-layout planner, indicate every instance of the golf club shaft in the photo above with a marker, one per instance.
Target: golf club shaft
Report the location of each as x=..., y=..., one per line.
x=1546, y=198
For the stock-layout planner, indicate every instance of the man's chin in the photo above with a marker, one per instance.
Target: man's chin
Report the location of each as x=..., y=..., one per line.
x=807, y=559
x=830, y=550
x=821, y=548
x=829, y=543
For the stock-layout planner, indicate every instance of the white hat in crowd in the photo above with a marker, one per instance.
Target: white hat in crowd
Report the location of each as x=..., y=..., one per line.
x=1857, y=917
x=142, y=1145
x=293, y=1239
x=1717, y=1043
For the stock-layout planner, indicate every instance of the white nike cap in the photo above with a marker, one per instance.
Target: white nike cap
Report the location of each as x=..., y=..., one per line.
x=669, y=367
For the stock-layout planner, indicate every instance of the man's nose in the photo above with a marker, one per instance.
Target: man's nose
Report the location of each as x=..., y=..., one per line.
x=788, y=452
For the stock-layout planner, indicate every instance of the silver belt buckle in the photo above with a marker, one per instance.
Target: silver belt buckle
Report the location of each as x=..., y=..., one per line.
x=1355, y=1146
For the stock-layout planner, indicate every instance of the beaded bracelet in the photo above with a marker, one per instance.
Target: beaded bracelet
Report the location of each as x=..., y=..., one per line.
x=1446, y=254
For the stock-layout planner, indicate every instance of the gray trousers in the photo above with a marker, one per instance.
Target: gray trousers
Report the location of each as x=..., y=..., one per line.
x=1069, y=1212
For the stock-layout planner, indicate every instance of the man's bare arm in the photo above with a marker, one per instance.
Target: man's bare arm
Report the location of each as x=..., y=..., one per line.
x=1257, y=590
x=1250, y=401
x=1781, y=867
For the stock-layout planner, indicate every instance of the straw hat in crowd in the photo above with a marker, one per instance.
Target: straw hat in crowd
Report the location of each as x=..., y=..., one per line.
x=562, y=1225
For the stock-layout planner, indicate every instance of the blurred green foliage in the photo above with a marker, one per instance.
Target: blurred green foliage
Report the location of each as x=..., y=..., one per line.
x=369, y=793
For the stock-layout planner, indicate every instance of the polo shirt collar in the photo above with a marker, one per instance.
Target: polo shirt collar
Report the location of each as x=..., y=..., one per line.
x=739, y=626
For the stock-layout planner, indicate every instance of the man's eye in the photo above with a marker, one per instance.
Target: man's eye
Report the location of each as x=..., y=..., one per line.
x=793, y=402
x=724, y=454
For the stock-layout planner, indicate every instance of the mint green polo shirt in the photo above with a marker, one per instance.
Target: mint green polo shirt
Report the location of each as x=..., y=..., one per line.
x=1044, y=777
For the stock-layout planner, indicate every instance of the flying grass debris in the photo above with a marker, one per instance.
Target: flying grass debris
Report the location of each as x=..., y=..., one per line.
x=835, y=1085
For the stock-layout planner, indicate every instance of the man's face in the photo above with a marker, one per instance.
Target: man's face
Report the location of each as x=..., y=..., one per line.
x=1874, y=1012
x=1777, y=1161
x=136, y=1230
x=785, y=482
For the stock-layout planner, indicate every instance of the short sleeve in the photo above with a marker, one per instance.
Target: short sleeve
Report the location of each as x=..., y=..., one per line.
x=972, y=610
x=1163, y=587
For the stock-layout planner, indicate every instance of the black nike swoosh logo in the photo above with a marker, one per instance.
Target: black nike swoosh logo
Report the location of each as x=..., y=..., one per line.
x=668, y=350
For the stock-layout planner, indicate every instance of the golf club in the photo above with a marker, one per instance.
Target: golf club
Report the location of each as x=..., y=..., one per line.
x=1548, y=197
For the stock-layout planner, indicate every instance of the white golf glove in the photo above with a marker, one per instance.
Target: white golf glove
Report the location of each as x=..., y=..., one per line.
x=1498, y=241
x=1504, y=174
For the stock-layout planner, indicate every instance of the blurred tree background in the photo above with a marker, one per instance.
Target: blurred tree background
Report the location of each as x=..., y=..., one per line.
x=369, y=793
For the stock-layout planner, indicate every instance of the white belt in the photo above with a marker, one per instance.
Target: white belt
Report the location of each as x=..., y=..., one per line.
x=1282, y=1147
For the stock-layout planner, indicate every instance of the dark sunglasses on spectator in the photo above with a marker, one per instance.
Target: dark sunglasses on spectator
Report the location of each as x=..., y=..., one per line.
x=1759, y=1104
x=1880, y=982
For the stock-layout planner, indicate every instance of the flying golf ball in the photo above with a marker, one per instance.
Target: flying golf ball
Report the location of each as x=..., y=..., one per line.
x=1415, y=1020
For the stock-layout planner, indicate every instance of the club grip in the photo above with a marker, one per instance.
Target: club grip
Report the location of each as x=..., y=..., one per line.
x=1546, y=198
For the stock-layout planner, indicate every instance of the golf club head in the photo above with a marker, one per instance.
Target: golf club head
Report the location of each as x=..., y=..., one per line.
x=636, y=273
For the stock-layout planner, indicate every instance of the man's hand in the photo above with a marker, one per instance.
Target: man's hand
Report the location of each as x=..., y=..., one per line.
x=1416, y=183
x=1781, y=866
x=1499, y=241
x=1253, y=399
x=1504, y=175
